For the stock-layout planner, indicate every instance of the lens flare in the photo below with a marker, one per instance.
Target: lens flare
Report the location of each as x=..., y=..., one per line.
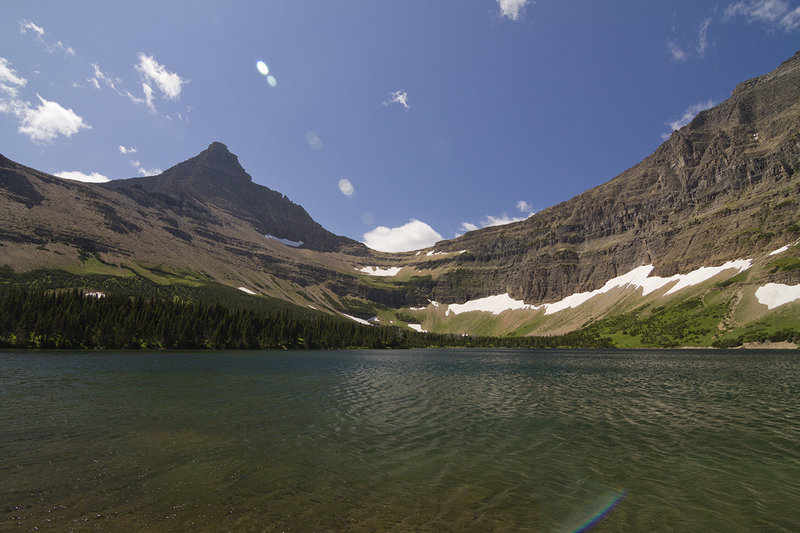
x=346, y=187
x=313, y=140
x=262, y=67
x=272, y=81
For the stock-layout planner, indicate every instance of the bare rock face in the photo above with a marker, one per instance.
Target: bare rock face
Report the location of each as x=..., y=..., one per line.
x=721, y=188
x=215, y=177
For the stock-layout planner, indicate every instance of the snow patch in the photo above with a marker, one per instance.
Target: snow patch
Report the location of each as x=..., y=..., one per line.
x=287, y=242
x=702, y=274
x=377, y=271
x=492, y=304
x=418, y=328
x=776, y=294
x=779, y=250
x=434, y=252
x=783, y=248
x=245, y=289
x=638, y=278
x=359, y=320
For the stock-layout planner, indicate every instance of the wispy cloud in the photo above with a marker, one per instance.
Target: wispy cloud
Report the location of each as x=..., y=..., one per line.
x=687, y=117
x=524, y=207
x=142, y=171
x=512, y=9
x=491, y=220
x=169, y=83
x=702, y=38
x=99, y=78
x=676, y=52
x=414, y=235
x=26, y=26
x=397, y=97
x=10, y=81
x=76, y=175
x=773, y=14
x=125, y=150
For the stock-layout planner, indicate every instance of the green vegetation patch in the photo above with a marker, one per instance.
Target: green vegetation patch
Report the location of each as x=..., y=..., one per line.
x=784, y=264
x=691, y=322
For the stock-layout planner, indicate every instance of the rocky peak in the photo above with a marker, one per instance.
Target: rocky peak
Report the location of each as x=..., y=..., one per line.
x=214, y=165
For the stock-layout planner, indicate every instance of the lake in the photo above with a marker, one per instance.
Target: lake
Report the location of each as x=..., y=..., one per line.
x=417, y=440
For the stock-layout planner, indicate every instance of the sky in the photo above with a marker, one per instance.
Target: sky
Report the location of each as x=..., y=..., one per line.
x=397, y=124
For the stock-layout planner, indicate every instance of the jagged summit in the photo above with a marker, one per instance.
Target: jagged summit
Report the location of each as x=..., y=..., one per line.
x=214, y=177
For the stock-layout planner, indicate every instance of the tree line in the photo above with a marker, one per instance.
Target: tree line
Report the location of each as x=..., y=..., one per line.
x=73, y=319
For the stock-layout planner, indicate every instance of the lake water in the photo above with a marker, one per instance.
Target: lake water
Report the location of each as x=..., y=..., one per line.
x=419, y=440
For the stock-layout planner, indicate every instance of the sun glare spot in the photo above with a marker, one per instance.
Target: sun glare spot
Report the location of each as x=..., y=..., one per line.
x=346, y=187
x=272, y=81
x=262, y=67
x=313, y=140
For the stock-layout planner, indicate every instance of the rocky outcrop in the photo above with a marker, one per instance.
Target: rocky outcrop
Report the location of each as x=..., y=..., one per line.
x=215, y=177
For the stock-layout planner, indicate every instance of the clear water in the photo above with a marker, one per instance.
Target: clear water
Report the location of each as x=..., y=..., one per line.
x=433, y=440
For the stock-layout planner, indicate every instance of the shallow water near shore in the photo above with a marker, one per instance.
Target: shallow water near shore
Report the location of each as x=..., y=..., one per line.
x=417, y=440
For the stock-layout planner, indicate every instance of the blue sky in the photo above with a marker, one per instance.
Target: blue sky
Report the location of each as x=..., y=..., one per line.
x=393, y=123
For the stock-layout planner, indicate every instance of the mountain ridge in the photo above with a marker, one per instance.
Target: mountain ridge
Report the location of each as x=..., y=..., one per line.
x=722, y=188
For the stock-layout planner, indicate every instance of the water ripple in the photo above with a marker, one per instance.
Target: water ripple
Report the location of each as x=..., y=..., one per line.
x=478, y=440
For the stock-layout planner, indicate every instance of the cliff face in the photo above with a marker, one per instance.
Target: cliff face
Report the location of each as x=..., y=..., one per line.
x=723, y=187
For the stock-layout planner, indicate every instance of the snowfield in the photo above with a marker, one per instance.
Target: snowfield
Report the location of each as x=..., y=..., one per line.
x=287, y=242
x=776, y=294
x=636, y=278
x=359, y=320
x=377, y=271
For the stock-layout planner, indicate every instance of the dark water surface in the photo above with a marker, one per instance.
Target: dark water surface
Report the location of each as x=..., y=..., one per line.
x=433, y=440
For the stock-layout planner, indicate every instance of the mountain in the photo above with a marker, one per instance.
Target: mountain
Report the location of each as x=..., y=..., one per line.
x=694, y=231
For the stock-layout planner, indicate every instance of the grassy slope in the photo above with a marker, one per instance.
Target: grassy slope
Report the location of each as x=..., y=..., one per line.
x=720, y=312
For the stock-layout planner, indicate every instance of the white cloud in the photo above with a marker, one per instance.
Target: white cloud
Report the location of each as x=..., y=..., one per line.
x=94, y=177
x=499, y=221
x=169, y=83
x=125, y=150
x=512, y=9
x=397, y=97
x=414, y=235
x=491, y=220
x=26, y=25
x=675, y=51
x=10, y=82
x=346, y=187
x=148, y=96
x=148, y=171
x=702, y=39
x=687, y=117
x=774, y=14
x=100, y=76
x=49, y=120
